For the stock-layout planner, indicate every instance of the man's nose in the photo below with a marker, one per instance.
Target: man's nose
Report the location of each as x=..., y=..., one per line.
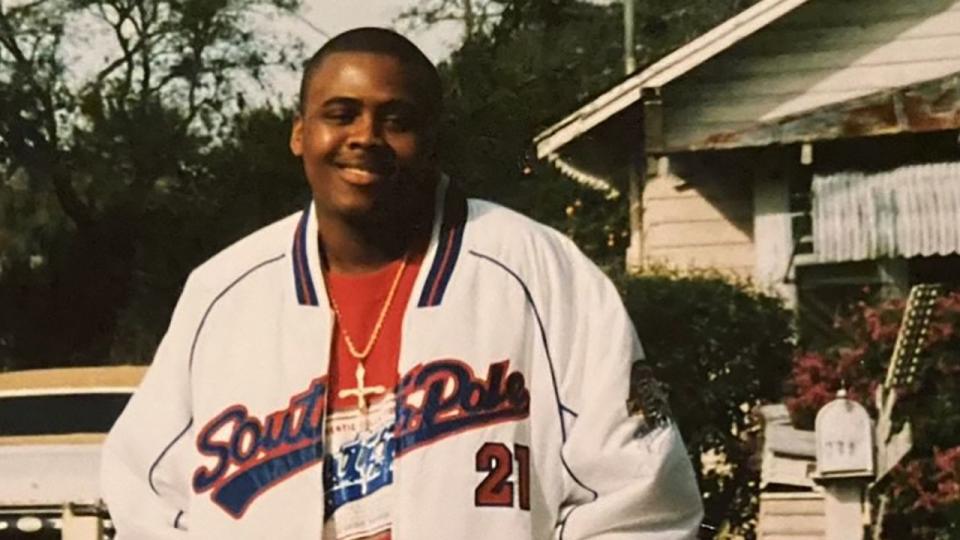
x=366, y=131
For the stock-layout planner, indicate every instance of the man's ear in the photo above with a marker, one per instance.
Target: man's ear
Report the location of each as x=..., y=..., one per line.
x=296, y=136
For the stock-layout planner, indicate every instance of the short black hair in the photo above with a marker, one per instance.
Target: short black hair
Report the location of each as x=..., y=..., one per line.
x=380, y=41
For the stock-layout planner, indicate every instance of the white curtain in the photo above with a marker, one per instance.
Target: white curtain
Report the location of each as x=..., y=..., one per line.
x=909, y=211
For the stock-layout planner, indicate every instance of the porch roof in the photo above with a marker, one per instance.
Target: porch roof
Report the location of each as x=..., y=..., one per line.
x=675, y=64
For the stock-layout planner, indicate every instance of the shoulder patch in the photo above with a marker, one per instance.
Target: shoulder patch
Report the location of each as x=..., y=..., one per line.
x=648, y=399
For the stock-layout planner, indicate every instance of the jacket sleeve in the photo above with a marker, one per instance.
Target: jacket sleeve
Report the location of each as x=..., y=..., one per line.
x=144, y=476
x=629, y=476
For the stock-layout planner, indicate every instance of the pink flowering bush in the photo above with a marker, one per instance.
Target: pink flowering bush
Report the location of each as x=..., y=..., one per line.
x=924, y=489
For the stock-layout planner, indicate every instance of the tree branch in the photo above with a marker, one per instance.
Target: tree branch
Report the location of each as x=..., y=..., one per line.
x=23, y=7
x=9, y=40
x=143, y=29
x=112, y=66
x=69, y=200
x=123, y=14
x=43, y=157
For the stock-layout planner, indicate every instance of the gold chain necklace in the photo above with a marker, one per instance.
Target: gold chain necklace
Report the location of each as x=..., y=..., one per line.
x=361, y=356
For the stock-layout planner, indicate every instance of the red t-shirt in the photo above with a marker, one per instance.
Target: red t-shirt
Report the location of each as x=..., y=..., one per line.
x=360, y=297
x=358, y=468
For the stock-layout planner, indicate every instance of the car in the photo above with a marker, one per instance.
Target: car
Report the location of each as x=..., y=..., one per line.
x=52, y=426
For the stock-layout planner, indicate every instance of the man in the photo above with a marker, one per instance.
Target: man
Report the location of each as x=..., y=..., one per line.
x=395, y=361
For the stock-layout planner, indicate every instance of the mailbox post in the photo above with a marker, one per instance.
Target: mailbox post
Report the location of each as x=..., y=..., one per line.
x=844, y=437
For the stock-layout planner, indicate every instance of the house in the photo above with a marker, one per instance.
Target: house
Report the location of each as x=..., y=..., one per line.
x=811, y=145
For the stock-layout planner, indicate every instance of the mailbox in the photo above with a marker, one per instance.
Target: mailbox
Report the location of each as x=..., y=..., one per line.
x=844, y=438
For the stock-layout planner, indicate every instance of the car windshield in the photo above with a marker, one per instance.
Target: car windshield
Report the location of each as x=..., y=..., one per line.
x=60, y=414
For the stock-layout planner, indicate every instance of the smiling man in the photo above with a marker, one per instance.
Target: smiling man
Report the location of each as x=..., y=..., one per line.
x=396, y=361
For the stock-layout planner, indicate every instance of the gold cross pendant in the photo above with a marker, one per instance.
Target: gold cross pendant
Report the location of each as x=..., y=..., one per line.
x=362, y=391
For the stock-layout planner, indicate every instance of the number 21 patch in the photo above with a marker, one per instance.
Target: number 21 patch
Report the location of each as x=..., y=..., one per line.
x=497, y=489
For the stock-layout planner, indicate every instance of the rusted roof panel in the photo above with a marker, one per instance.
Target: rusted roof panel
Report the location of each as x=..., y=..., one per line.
x=929, y=106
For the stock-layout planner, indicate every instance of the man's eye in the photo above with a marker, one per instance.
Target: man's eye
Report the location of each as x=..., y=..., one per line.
x=398, y=122
x=339, y=117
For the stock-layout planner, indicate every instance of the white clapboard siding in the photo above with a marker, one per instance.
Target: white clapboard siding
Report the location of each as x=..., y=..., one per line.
x=825, y=52
x=667, y=209
x=734, y=259
x=843, y=34
x=803, y=90
x=695, y=232
x=791, y=516
x=801, y=61
x=697, y=227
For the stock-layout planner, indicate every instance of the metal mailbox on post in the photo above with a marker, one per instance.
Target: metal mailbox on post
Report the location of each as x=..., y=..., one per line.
x=844, y=436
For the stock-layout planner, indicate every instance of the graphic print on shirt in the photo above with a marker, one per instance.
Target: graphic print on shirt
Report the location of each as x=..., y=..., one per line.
x=444, y=397
x=253, y=455
x=433, y=401
x=358, y=471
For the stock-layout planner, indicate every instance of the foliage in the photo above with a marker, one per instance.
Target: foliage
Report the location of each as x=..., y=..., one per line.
x=724, y=348
x=501, y=88
x=248, y=180
x=94, y=162
x=924, y=490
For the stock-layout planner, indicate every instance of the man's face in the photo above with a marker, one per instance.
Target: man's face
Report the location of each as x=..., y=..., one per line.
x=366, y=149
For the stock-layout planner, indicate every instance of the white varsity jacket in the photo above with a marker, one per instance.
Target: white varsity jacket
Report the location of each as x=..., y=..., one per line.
x=511, y=422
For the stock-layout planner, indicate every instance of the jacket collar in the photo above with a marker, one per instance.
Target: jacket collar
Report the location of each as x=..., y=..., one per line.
x=446, y=242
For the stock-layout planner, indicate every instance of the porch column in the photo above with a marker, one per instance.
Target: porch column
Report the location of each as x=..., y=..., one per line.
x=773, y=234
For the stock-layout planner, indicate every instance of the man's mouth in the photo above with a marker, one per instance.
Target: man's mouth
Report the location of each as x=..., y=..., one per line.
x=364, y=176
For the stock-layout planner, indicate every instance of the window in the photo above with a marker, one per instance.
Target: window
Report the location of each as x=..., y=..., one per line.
x=59, y=414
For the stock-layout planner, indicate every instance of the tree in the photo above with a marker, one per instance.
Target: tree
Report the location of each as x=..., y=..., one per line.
x=91, y=164
x=246, y=181
x=476, y=17
x=503, y=85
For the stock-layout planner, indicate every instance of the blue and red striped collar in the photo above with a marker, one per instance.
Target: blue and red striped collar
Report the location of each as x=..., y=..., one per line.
x=443, y=252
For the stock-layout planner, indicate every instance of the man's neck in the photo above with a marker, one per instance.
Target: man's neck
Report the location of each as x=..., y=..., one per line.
x=355, y=246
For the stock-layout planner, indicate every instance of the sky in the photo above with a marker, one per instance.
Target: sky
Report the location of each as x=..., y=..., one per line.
x=89, y=45
x=335, y=16
x=318, y=18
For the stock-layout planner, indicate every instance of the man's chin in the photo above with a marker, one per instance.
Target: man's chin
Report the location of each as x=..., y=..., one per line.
x=359, y=214
x=353, y=206
x=363, y=208
x=374, y=203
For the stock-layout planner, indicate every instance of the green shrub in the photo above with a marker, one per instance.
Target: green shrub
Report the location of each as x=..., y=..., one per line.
x=722, y=347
